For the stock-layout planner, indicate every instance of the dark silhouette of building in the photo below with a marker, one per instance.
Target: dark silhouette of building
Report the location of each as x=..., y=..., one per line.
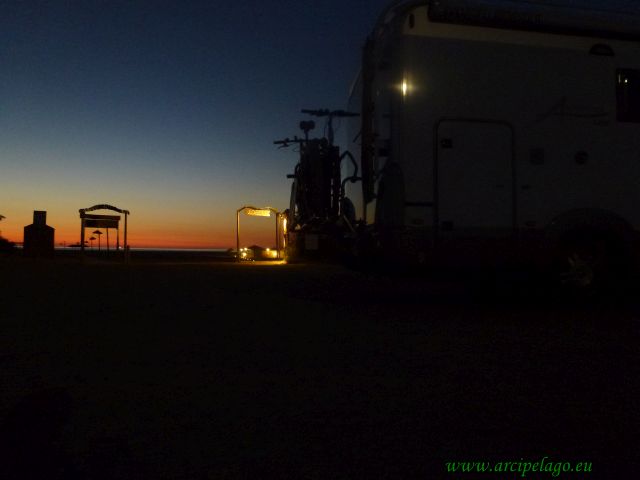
x=38, y=237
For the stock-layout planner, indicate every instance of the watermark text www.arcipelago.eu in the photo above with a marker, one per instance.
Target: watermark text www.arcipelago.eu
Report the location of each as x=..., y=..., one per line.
x=522, y=467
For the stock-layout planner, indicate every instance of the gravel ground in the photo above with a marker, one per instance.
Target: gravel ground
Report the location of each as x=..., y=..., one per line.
x=206, y=370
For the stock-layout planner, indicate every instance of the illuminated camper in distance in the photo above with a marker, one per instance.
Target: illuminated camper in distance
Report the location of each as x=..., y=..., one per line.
x=499, y=131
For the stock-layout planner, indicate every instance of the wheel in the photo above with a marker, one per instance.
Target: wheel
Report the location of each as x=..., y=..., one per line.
x=589, y=261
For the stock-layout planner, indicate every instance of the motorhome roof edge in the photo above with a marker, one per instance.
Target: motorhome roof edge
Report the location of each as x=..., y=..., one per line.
x=522, y=15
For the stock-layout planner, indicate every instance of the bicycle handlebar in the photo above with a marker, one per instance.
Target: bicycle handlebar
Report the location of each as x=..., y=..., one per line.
x=329, y=113
x=287, y=141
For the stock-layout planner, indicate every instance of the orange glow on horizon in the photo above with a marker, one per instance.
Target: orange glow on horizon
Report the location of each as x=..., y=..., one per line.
x=153, y=222
x=192, y=234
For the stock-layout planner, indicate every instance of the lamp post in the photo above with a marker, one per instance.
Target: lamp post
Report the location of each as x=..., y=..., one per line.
x=91, y=241
x=98, y=232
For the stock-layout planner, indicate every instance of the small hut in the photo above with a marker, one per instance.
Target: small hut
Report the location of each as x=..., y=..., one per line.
x=38, y=237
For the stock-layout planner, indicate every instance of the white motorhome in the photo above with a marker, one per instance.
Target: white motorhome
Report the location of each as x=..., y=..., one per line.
x=493, y=131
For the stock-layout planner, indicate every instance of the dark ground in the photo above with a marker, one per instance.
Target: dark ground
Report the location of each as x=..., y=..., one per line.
x=196, y=370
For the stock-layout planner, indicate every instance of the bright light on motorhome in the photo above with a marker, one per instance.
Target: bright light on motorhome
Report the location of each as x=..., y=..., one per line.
x=254, y=212
x=406, y=87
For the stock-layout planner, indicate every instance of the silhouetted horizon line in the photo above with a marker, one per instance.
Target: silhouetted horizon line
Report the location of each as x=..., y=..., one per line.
x=75, y=246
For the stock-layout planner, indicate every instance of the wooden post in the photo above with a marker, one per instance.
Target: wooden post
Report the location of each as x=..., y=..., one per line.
x=238, y=235
x=126, y=245
x=82, y=234
x=277, y=236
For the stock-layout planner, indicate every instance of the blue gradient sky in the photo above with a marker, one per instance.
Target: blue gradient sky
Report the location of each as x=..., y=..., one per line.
x=168, y=109
x=165, y=108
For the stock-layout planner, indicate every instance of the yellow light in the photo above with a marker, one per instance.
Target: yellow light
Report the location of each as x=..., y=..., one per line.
x=284, y=226
x=405, y=88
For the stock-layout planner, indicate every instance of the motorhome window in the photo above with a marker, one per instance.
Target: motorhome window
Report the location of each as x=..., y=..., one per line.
x=628, y=93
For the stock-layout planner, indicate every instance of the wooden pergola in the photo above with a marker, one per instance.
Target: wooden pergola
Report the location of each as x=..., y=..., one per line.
x=88, y=220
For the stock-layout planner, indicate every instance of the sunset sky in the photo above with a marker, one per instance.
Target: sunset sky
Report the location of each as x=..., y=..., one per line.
x=165, y=108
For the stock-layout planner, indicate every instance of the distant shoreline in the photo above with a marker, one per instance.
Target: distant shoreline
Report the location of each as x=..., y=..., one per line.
x=150, y=249
x=137, y=254
x=70, y=248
